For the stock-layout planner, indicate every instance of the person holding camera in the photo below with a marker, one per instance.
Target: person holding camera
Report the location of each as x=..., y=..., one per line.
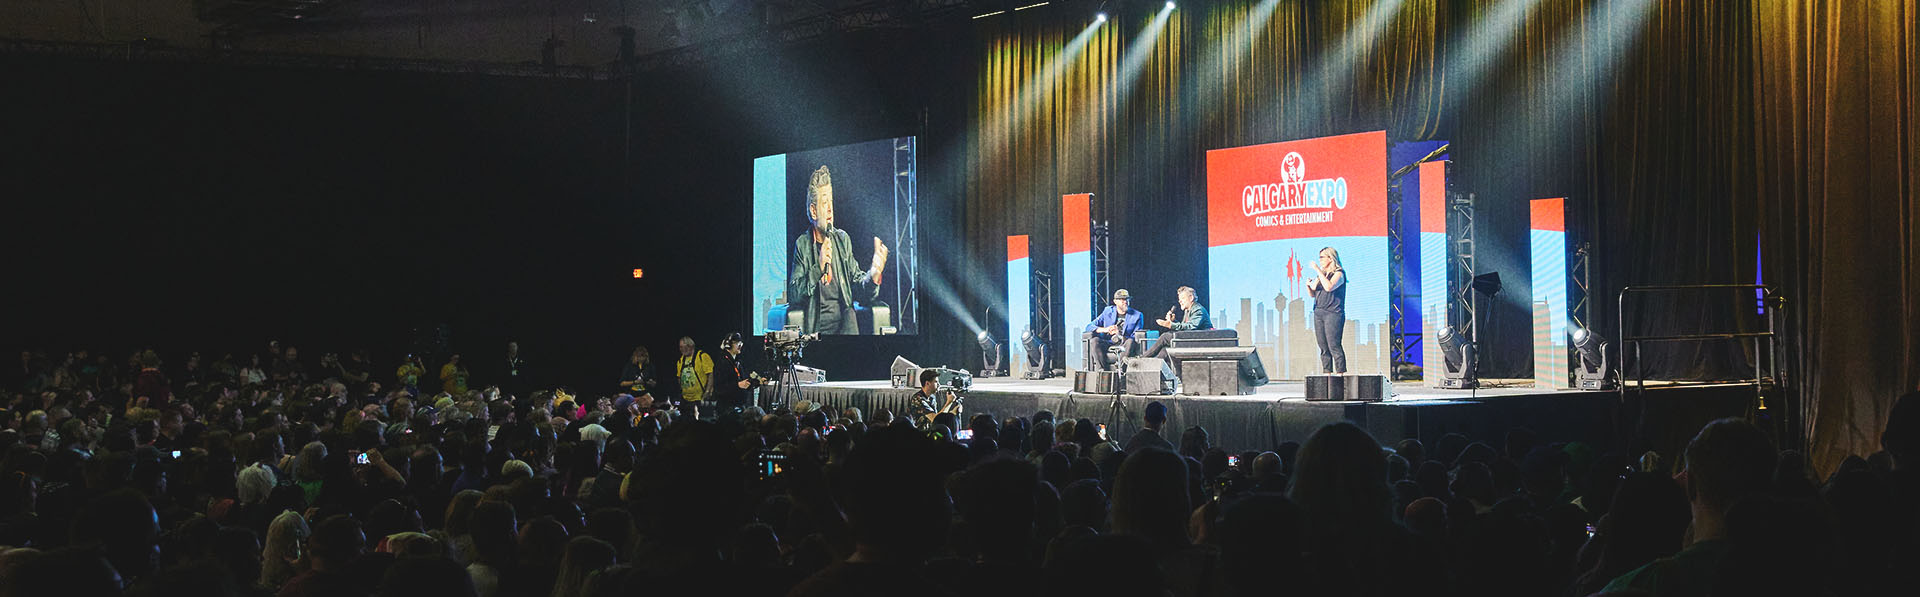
x=925, y=404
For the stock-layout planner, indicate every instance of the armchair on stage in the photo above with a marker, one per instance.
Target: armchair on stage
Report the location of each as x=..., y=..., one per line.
x=1206, y=363
x=1116, y=353
x=874, y=318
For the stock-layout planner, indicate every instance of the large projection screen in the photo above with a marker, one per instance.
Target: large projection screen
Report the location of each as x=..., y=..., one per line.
x=1270, y=209
x=871, y=189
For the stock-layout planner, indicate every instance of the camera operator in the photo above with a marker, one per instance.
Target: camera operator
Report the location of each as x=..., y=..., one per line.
x=731, y=381
x=923, y=407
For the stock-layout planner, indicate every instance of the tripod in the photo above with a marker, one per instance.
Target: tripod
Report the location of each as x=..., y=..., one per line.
x=786, y=371
x=1117, y=412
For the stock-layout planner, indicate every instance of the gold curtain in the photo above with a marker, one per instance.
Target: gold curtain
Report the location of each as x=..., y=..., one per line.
x=1690, y=134
x=1838, y=159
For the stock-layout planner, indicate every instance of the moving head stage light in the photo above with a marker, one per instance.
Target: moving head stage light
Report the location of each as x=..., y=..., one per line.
x=1592, y=371
x=990, y=361
x=1458, y=360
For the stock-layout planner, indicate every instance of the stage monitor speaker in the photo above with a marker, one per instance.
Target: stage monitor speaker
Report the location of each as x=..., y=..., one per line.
x=1338, y=388
x=1252, y=373
x=1149, y=376
x=1097, y=382
x=1366, y=388
x=1326, y=388
x=805, y=375
x=904, y=373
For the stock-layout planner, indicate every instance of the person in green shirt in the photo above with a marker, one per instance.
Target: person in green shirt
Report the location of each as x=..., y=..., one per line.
x=1730, y=459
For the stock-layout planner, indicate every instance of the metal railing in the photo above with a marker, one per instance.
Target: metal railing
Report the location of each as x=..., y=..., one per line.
x=1765, y=362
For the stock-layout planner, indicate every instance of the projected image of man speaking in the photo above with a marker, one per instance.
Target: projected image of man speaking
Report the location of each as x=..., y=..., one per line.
x=824, y=281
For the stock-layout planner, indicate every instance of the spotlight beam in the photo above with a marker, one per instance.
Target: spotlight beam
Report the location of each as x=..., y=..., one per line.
x=1489, y=37
x=1227, y=53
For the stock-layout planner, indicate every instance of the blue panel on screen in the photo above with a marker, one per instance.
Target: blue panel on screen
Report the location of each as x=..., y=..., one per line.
x=1076, y=284
x=770, y=250
x=1019, y=311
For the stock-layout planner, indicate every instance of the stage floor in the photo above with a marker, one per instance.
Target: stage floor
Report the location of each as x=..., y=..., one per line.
x=1279, y=412
x=1278, y=390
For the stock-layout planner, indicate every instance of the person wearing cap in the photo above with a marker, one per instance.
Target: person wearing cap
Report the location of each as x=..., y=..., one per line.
x=1115, y=326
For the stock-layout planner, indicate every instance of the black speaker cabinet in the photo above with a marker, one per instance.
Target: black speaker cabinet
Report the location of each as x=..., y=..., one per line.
x=1358, y=388
x=1097, y=382
x=1149, y=376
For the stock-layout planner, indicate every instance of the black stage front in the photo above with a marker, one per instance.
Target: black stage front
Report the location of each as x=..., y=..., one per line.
x=1279, y=412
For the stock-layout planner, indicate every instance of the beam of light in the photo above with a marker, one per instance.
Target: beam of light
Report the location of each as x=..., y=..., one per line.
x=1034, y=5
x=1141, y=49
x=1226, y=53
x=1589, y=52
x=1100, y=18
x=936, y=285
x=1576, y=67
x=953, y=281
x=1134, y=63
x=1027, y=102
x=988, y=14
x=1329, y=75
x=1486, y=41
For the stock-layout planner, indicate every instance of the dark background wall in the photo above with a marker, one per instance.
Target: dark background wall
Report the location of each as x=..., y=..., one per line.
x=207, y=205
x=212, y=207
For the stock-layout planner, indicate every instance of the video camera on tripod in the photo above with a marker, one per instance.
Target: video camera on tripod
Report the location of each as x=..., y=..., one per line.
x=905, y=374
x=785, y=348
x=788, y=344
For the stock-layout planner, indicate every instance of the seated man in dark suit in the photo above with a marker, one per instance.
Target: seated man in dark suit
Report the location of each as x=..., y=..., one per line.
x=1114, y=327
x=1192, y=316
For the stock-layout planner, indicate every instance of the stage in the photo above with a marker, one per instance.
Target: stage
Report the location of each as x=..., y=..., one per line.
x=1279, y=411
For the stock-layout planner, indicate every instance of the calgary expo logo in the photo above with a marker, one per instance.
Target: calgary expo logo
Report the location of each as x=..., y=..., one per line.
x=1318, y=197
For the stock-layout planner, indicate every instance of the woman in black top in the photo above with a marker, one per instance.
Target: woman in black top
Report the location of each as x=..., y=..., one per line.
x=1329, y=288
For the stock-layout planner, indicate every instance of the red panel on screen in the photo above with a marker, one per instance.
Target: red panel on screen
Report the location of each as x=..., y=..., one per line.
x=1550, y=214
x=1433, y=197
x=1330, y=186
x=1076, y=222
x=1016, y=247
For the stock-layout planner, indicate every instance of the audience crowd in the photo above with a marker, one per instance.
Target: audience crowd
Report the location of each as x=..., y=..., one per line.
x=267, y=475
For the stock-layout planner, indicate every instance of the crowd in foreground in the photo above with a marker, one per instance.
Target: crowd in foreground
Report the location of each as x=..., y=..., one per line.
x=277, y=480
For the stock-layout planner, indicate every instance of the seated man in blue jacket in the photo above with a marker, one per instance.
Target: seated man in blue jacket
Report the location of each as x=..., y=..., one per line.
x=1114, y=327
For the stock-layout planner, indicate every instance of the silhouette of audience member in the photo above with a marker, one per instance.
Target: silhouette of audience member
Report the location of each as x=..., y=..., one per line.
x=336, y=543
x=1353, y=545
x=1728, y=460
x=1151, y=501
x=897, y=511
